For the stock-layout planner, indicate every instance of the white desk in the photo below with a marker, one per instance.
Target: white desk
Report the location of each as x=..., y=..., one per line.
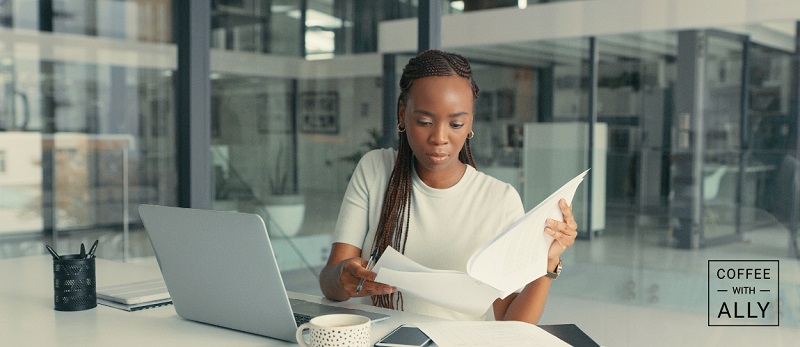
x=27, y=317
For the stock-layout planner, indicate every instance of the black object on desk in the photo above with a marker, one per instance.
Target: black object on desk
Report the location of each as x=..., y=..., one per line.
x=74, y=283
x=571, y=334
x=91, y=250
x=52, y=252
x=404, y=336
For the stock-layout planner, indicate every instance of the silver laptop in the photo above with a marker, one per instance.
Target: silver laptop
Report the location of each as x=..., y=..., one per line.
x=220, y=269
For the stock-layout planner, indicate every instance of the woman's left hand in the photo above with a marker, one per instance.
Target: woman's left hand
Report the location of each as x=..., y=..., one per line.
x=563, y=232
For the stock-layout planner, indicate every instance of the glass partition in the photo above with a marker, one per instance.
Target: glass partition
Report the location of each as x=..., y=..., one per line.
x=636, y=74
x=533, y=93
x=768, y=158
x=272, y=27
x=107, y=156
x=285, y=144
x=636, y=260
x=461, y=6
x=87, y=132
x=86, y=125
x=134, y=21
x=722, y=114
x=254, y=147
x=319, y=30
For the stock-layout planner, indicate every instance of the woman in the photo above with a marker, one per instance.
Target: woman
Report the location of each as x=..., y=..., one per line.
x=427, y=200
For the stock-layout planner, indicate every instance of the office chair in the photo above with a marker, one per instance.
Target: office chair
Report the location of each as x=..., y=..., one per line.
x=711, y=184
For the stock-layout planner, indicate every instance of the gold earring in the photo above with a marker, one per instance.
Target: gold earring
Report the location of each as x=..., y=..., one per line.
x=400, y=128
x=470, y=135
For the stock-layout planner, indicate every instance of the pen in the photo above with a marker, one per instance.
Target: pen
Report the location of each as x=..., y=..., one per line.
x=91, y=250
x=369, y=267
x=83, y=251
x=53, y=253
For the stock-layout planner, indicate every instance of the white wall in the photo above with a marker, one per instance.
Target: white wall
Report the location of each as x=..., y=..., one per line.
x=21, y=182
x=23, y=158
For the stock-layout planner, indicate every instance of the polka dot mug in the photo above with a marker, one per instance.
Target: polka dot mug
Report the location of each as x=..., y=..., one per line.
x=336, y=330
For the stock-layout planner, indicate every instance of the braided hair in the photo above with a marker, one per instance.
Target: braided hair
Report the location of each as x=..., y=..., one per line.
x=395, y=215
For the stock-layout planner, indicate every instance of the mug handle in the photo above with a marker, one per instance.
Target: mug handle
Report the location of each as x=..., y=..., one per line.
x=299, y=334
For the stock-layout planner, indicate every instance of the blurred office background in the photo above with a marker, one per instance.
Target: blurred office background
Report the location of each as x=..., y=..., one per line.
x=686, y=111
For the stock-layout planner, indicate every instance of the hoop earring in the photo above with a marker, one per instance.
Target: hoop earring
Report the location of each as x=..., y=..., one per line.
x=400, y=128
x=470, y=135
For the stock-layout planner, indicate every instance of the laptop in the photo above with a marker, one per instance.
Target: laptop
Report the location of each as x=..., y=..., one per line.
x=220, y=269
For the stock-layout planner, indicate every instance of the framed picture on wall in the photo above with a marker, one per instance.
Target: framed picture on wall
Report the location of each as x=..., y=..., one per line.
x=319, y=112
x=484, y=107
x=274, y=113
x=515, y=135
x=505, y=104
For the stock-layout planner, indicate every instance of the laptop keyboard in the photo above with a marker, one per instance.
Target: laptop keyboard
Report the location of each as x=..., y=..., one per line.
x=307, y=310
x=301, y=318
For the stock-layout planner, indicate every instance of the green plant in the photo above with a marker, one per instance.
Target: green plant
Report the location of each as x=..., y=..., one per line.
x=279, y=178
x=374, y=142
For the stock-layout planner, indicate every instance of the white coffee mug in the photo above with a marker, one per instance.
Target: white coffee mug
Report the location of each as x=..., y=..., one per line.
x=336, y=330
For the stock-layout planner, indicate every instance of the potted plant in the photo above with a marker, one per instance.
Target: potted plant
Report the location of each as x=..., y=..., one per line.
x=282, y=207
x=227, y=187
x=374, y=142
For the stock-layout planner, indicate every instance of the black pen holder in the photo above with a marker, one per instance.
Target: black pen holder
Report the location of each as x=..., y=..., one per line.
x=74, y=283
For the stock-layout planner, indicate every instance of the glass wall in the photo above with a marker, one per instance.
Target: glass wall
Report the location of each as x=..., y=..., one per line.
x=678, y=189
x=770, y=127
x=288, y=122
x=636, y=74
x=722, y=137
x=532, y=94
x=87, y=132
x=86, y=123
x=461, y=6
x=314, y=29
x=270, y=27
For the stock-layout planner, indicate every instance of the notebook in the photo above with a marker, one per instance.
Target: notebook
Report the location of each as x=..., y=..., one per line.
x=220, y=269
x=134, y=296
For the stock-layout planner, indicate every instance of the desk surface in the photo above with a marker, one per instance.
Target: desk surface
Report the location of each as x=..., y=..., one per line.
x=27, y=316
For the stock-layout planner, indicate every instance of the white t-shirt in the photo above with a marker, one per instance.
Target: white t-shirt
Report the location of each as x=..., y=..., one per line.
x=446, y=226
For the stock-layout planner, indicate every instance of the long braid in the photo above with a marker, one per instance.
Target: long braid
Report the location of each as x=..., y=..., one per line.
x=395, y=214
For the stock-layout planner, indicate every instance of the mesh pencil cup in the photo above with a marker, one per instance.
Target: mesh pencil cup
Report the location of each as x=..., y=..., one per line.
x=74, y=283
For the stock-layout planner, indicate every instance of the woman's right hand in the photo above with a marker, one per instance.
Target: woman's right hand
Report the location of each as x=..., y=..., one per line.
x=353, y=270
x=339, y=279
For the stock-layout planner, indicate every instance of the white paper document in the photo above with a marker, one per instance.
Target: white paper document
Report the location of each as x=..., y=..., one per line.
x=488, y=333
x=509, y=261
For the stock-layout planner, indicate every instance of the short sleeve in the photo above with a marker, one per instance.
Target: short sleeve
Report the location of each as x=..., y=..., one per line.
x=361, y=199
x=513, y=206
